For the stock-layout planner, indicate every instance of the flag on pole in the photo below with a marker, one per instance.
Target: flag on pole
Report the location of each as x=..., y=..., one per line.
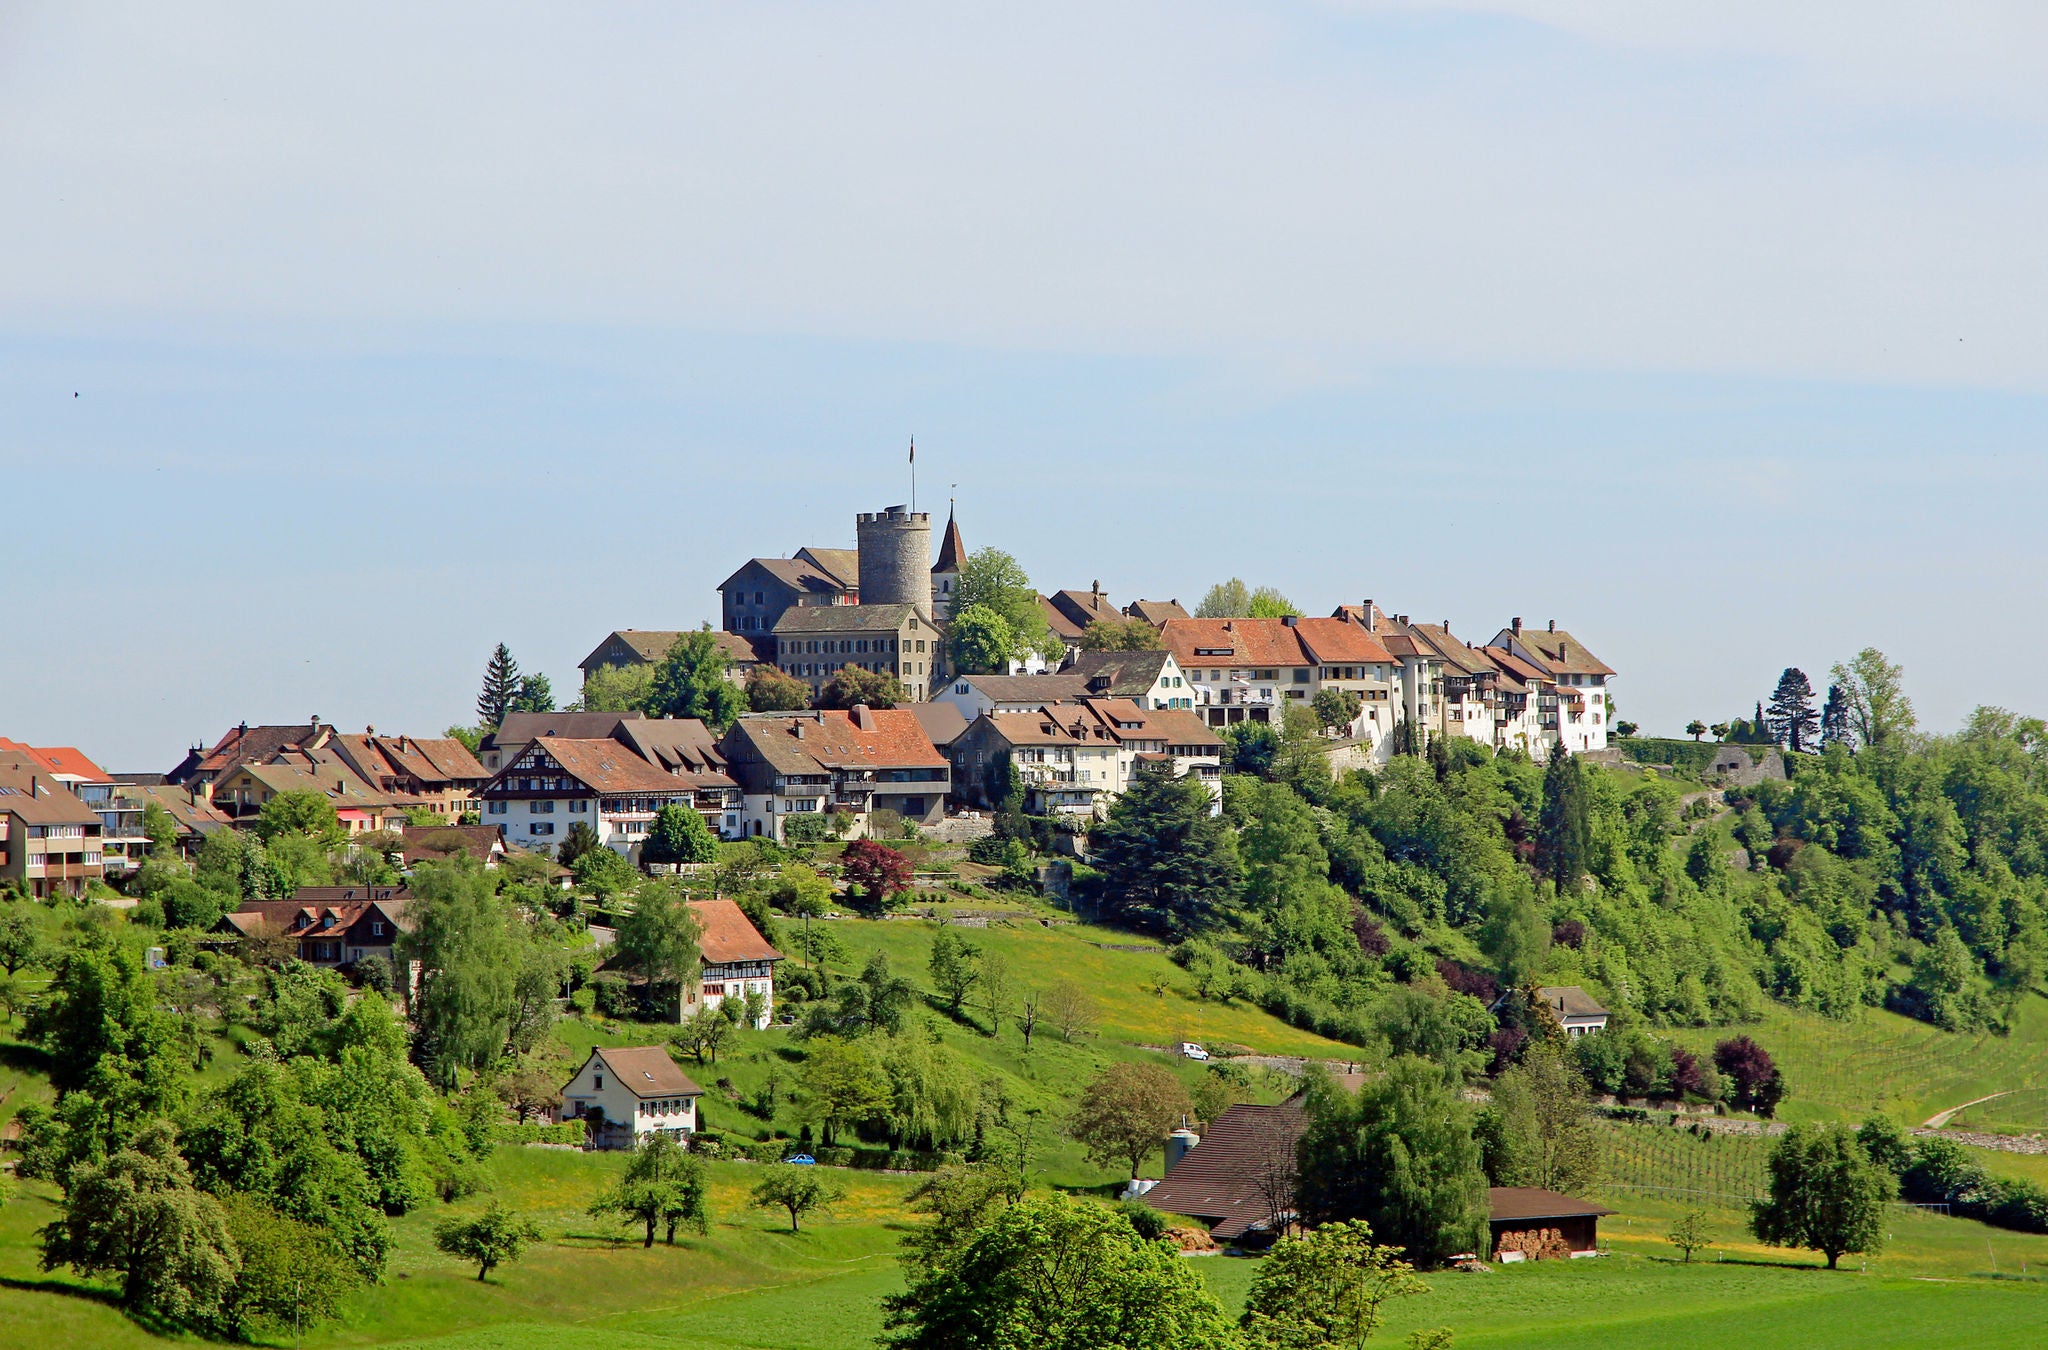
x=913, y=449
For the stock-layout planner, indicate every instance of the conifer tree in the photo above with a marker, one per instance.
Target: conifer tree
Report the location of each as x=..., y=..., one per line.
x=1834, y=719
x=501, y=687
x=1561, y=836
x=1790, y=717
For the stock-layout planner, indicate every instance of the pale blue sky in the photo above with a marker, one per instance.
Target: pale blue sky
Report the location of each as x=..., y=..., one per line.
x=1718, y=338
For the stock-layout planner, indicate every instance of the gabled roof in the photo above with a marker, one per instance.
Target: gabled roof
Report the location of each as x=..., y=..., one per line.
x=29, y=792
x=1234, y=642
x=1509, y=1204
x=63, y=761
x=603, y=766
x=1181, y=727
x=846, y=618
x=1156, y=612
x=840, y=563
x=729, y=935
x=651, y=645
x=244, y=744
x=1569, y=1000
x=432, y=843
x=1559, y=650
x=439, y=761
x=800, y=576
x=1119, y=674
x=321, y=772
x=1340, y=642
x=191, y=815
x=683, y=746
x=1043, y=727
x=942, y=722
x=322, y=909
x=520, y=727
x=1081, y=608
x=645, y=1071
x=1515, y=672
x=1458, y=658
x=1221, y=1180
x=1034, y=689
x=820, y=741
x=952, y=552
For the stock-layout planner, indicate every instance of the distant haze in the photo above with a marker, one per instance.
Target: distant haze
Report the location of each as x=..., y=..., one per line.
x=337, y=346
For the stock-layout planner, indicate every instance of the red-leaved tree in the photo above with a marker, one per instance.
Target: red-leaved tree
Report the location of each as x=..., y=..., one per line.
x=876, y=872
x=1754, y=1083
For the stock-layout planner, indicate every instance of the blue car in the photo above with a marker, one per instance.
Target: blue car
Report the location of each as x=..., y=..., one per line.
x=802, y=1160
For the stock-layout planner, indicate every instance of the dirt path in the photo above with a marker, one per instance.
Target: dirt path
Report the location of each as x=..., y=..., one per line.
x=1942, y=1118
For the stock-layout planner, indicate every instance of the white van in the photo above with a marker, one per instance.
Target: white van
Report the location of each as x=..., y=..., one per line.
x=1189, y=1050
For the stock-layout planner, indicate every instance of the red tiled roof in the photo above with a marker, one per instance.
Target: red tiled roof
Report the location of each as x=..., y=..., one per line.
x=1340, y=642
x=729, y=936
x=604, y=766
x=1242, y=642
x=646, y=1071
x=58, y=759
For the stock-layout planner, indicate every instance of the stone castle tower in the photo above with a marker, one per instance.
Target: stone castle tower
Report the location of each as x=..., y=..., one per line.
x=895, y=557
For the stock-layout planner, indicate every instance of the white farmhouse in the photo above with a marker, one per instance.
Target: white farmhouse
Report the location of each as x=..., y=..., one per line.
x=634, y=1091
x=737, y=960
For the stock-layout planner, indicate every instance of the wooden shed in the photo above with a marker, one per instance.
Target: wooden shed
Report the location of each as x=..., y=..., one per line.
x=1527, y=1222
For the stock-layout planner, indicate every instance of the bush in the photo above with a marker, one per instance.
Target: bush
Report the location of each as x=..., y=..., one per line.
x=533, y=1132
x=613, y=995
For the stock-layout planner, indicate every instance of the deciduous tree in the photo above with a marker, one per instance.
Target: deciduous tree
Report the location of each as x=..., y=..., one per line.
x=994, y=579
x=1324, y=1289
x=1536, y=1130
x=850, y=686
x=771, y=690
x=1874, y=690
x=691, y=681
x=795, y=1189
x=1825, y=1194
x=679, y=835
x=952, y=968
x=1120, y=635
x=660, y=938
x=981, y=642
x=1689, y=1233
x=876, y=872
x=1126, y=1111
x=490, y=1239
x=618, y=688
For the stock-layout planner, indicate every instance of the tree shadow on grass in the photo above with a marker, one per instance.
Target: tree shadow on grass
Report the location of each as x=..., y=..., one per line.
x=24, y=1057
x=107, y=1298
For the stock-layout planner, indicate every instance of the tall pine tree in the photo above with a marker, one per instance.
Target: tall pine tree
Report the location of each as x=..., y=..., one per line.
x=501, y=687
x=1790, y=715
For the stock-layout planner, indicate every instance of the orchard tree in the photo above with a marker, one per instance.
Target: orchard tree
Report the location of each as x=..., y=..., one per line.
x=1790, y=716
x=1127, y=1111
x=876, y=872
x=795, y=1189
x=1826, y=1194
x=663, y=1185
x=501, y=687
x=952, y=968
x=1689, y=1233
x=490, y=1239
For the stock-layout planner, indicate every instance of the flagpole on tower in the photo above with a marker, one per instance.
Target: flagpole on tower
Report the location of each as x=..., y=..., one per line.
x=913, y=475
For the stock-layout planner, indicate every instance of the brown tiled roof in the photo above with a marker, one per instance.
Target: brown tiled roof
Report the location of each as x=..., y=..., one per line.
x=322, y=909
x=1513, y=667
x=1156, y=612
x=604, y=766
x=520, y=727
x=816, y=742
x=1061, y=624
x=1030, y=728
x=437, y=762
x=1458, y=657
x=1340, y=642
x=1028, y=688
x=1562, y=652
x=192, y=816
x=1568, y=1000
x=942, y=722
x=646, y=1071
x=952, y=552
x=729, y=936
x=1183, y=727
x=652, y=644
x=805, y=578
x=1514, y=1203
x=28, y=791
x=1243, y=642
x=1219, y=1179
x=319, y=771
x=428, y=843
x=244, y=745
x=1082, y=608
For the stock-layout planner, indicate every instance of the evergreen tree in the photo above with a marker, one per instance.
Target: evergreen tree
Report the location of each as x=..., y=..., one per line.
x=1790, y=716
x=1166, y=863
x=1834, y=719
x=1562, y=834
x=535, y=695
x=501, y=687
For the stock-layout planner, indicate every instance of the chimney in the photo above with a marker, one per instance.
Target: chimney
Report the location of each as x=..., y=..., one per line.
x=864, y=717
x=1290, y=619
x=1553, y=625
x=1515, y=624
x=1095, y=589
x=316, y=719
x=1369, y=620
x=369, y=731
x=1401, y=619
x=1446, y=626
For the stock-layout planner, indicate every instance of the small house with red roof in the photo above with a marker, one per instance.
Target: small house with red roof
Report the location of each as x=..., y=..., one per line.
x=332, y=925
x=736, y=960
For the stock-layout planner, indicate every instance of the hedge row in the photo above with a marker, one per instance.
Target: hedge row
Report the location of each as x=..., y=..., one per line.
x=1692, y=756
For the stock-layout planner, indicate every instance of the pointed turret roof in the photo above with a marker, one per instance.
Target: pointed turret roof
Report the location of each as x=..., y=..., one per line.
x=951, y=551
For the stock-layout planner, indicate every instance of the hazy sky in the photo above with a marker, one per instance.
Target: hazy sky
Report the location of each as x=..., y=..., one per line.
x=336, y=347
